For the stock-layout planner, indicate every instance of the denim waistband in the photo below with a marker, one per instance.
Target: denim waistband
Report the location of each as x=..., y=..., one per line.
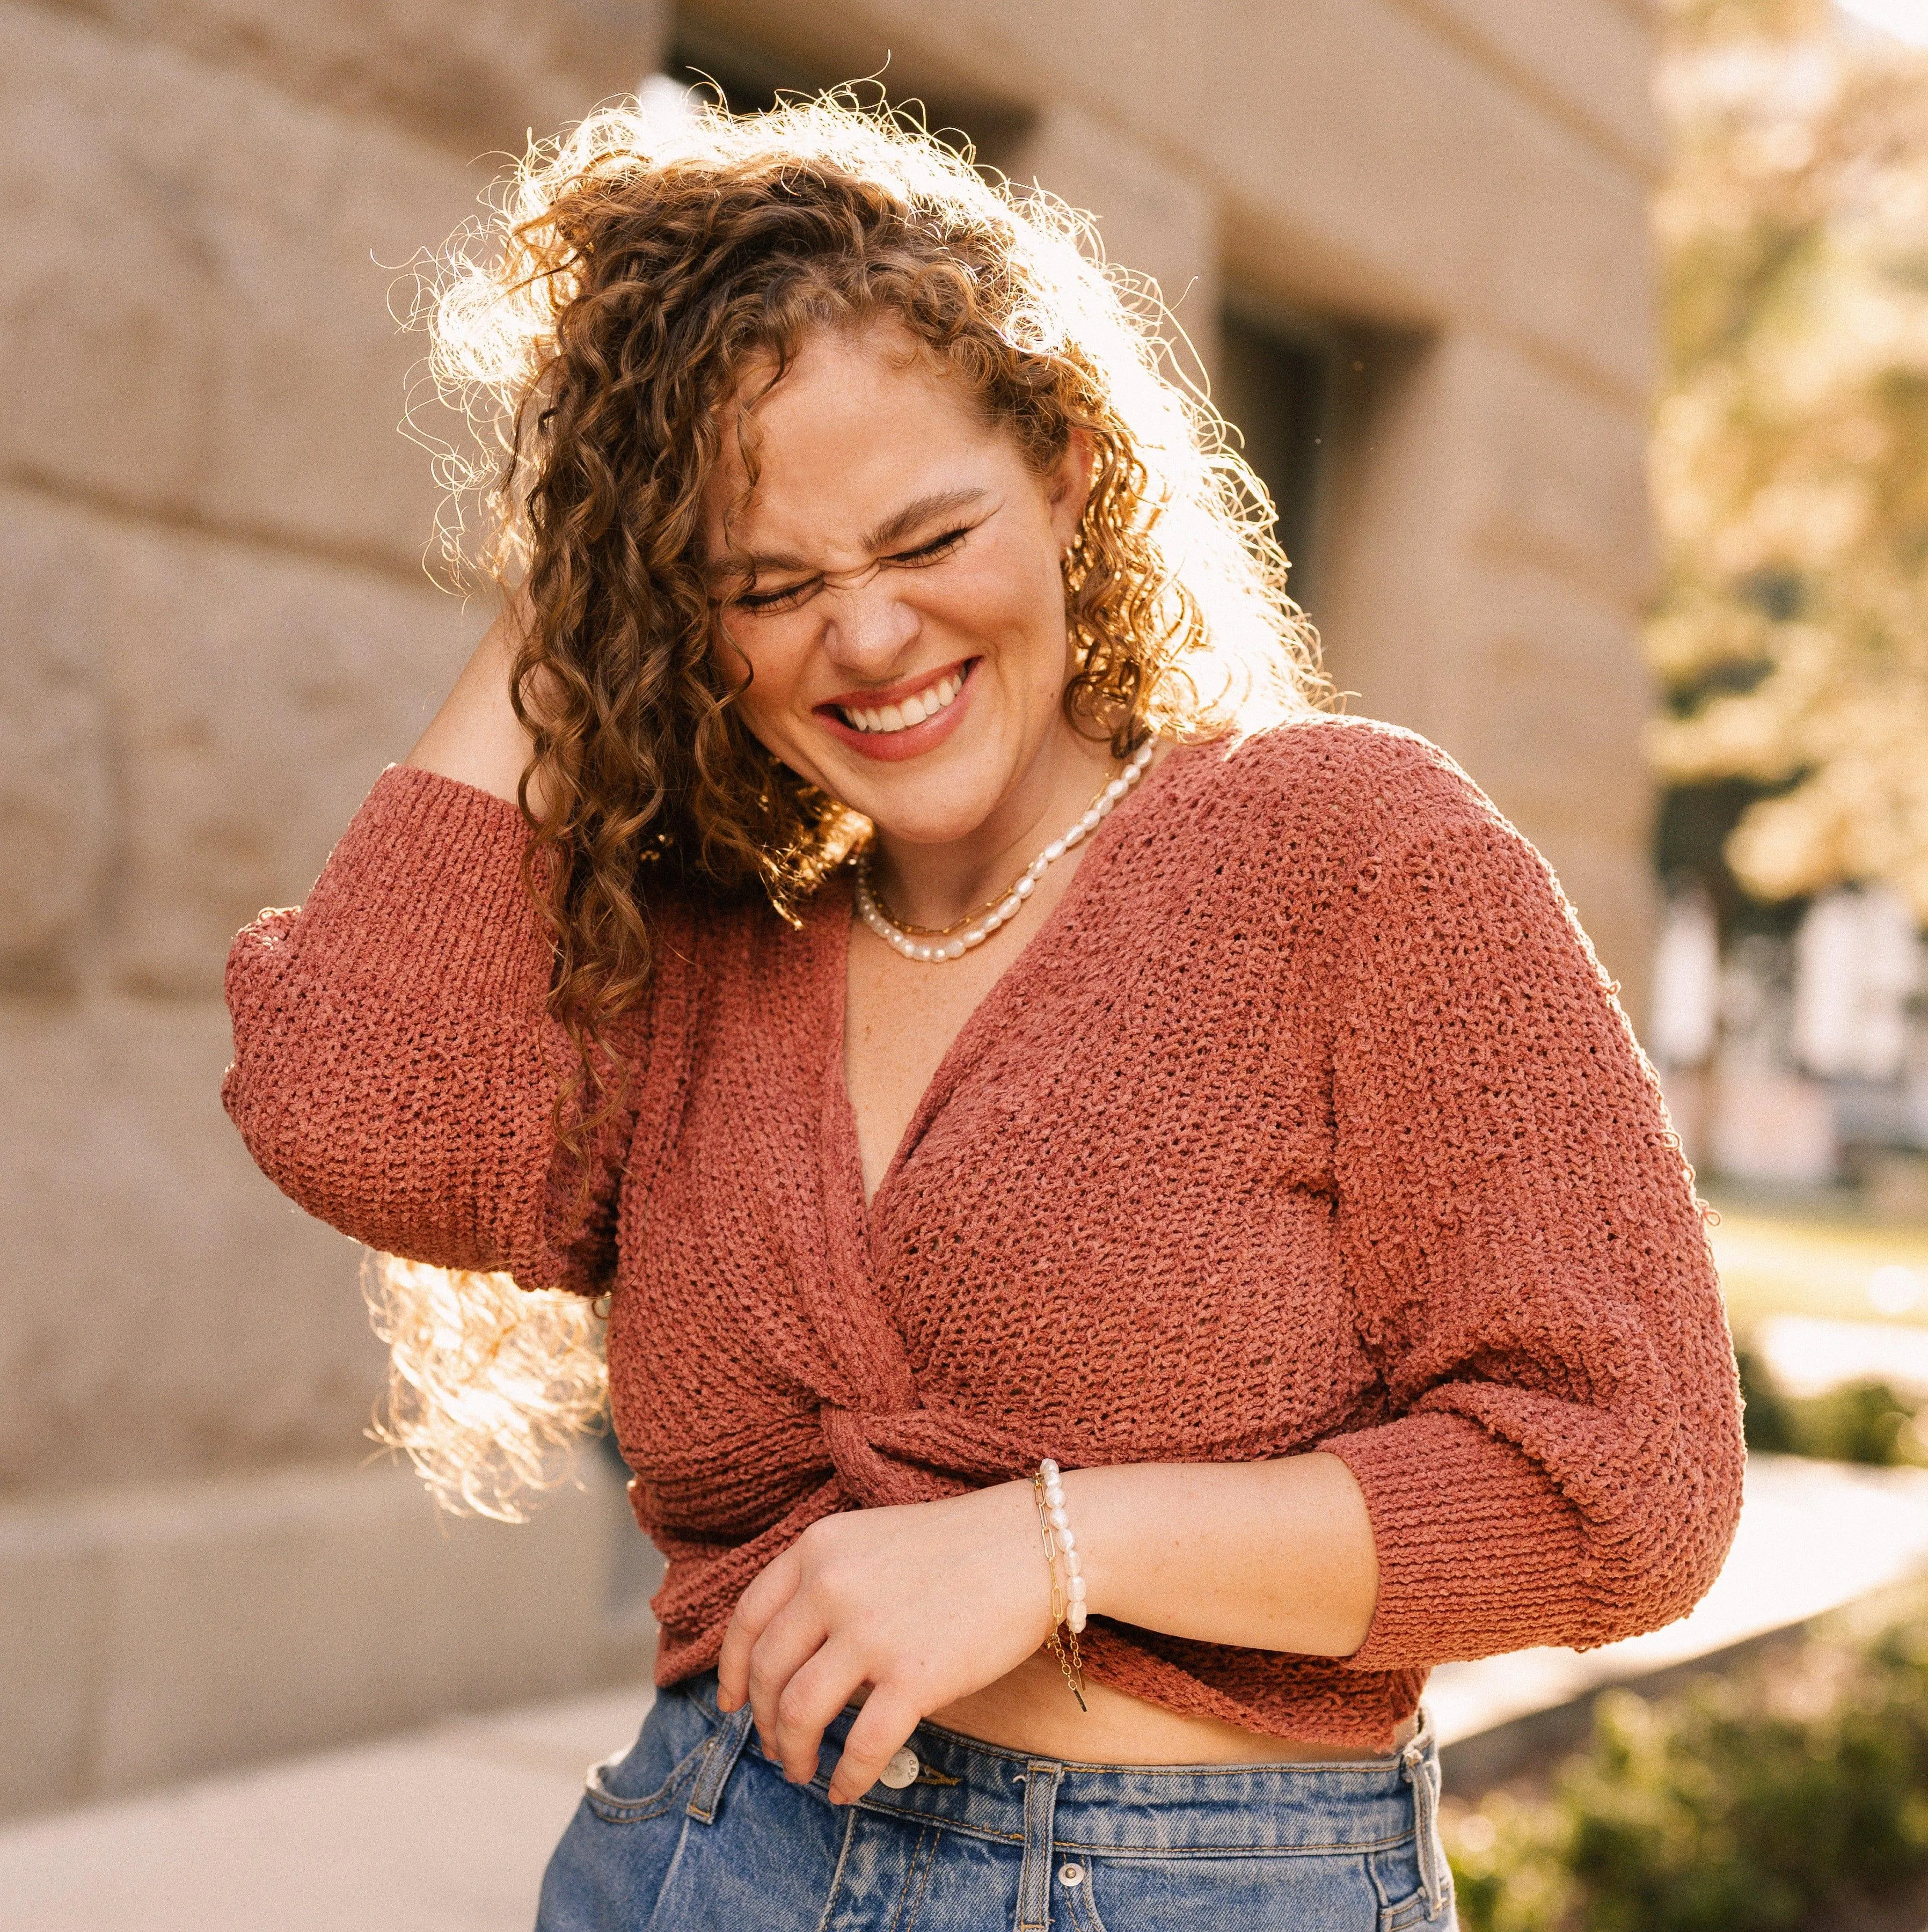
x=988, y=1790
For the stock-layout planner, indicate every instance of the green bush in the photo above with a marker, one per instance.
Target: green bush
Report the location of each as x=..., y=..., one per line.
x=1759, y=1802
x=1858, y=1422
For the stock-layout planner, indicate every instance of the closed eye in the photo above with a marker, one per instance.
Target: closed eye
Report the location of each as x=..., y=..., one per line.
x=761, y=601
x=785, y=599
x=933, y=552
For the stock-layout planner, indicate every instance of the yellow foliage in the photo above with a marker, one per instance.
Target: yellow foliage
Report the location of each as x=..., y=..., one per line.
x=1790, y=460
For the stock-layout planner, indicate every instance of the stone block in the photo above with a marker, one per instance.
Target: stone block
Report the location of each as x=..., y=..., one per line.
x=55, y=804
x=470, y=73
x=54, y=1615
x=1591, y=61
x=1549, y=693
x=198, y=277
x=257, y=696
x=1375, y=158
x=170, y=1630
x=1486, y=586
x=1153, y=219
x=1557, y=472
x=163, y=1309
x=251, y=695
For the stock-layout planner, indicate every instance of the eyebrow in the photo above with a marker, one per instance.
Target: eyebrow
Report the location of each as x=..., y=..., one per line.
x=893, y=530
x=940, y=503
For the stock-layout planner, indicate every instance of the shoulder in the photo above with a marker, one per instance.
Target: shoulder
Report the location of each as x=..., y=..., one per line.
x=1347, y=787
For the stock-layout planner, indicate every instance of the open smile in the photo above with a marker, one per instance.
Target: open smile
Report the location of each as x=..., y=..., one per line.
x=904, y=719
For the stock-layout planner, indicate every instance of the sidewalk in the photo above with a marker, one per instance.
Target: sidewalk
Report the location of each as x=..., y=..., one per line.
x=442, y=1830
x=447, y=1829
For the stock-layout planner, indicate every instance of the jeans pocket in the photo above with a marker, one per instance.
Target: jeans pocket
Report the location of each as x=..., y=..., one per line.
x=1150, y=1893
x=630, y=1788
x=1407, y=1913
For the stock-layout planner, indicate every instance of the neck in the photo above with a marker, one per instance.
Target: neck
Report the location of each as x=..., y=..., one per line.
x=934, y=885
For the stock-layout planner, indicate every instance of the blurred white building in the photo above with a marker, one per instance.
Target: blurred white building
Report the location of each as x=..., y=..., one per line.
x=1797, y=1062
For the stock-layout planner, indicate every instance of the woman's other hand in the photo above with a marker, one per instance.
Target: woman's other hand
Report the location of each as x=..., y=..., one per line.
x=476, y=737
x=924, y=1604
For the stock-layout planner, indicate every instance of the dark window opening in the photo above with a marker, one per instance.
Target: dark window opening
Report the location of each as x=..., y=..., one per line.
x=1274, y=385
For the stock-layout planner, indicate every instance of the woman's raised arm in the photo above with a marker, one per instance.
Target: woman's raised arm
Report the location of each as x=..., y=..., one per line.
x=396, y=1072
x=476, y=737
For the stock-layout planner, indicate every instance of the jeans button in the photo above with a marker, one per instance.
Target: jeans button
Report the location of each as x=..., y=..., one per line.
x=902, y=1769
x=1070, y=1874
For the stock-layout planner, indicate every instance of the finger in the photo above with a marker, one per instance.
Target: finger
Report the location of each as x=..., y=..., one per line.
x=769, y=1590
x=818, y=1690
x=793, y=1636
x=881, y=1728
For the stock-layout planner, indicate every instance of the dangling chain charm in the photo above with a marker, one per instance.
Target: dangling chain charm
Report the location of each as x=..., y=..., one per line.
x=1068, y=1581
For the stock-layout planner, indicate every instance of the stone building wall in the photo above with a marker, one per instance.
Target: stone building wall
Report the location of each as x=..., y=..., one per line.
x=218, y=628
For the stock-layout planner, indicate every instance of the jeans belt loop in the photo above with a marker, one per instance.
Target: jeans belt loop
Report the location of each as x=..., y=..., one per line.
x=1034, y=1883
x=1421, y=1767
x=725, y=1746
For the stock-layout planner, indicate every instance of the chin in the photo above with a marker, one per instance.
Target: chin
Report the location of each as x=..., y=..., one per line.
x=928, y=821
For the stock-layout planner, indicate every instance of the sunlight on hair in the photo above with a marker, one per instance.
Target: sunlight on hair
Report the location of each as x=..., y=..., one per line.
x=1239, y=654
x=490, y=1387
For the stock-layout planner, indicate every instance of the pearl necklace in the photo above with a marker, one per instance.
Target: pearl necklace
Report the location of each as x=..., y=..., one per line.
x=938, y=948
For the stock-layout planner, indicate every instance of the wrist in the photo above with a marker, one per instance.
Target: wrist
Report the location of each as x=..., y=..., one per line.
x=1086, y=1497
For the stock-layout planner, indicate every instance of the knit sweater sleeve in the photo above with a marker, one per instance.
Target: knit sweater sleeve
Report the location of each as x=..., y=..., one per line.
x=1563, y=1461
x=395, y=1070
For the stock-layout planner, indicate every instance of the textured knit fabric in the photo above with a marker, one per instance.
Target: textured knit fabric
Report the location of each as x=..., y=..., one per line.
x=1305, y=1119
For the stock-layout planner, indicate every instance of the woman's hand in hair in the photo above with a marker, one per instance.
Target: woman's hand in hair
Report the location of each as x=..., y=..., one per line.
x=476, y=737
x=920, y=1605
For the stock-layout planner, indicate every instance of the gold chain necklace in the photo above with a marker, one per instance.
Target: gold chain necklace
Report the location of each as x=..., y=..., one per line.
x=935, y=945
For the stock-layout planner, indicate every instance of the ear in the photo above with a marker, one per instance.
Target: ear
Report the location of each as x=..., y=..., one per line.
x=1068, y=488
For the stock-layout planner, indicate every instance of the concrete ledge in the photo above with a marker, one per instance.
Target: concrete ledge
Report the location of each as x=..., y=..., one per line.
x=158, y=1632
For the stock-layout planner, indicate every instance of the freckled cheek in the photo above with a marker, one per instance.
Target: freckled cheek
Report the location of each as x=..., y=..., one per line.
x=773, y=702
x=1003, y=610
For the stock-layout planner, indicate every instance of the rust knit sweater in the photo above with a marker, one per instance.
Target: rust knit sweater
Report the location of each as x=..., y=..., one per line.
x=1305, y=1119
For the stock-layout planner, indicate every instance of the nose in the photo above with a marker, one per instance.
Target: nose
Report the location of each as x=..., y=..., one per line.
x=866, y=624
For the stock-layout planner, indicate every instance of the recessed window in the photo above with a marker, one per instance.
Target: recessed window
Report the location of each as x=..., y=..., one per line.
x=1274, y=385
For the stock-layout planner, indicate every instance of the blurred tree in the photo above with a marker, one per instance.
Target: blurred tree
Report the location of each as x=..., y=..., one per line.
x=1790, y=451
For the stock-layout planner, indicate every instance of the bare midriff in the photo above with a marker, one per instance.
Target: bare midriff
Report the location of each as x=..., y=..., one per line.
x=1031, y=1709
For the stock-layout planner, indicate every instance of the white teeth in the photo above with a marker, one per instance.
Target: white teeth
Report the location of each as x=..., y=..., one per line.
x=926, y=703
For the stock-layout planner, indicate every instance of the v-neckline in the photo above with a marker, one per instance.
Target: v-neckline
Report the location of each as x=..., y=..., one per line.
x=1024, y=967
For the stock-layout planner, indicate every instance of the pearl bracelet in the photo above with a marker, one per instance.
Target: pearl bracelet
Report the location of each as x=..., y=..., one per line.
x=1068, y=1581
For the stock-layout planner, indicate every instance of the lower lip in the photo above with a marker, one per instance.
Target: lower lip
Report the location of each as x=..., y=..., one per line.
x=887, y=747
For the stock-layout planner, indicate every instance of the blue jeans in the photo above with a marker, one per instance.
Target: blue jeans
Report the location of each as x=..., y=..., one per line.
x=696, y=1831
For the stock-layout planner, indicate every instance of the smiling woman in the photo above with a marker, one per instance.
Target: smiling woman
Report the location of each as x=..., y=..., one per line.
x=1133, y=1224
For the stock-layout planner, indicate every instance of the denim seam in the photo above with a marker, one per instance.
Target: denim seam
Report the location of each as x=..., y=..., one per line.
x=1040, y=1858
x=963, y=1831
x=725, y=1749
x=1141, y=1853
x=836, y=1876
x=1082, y=1909
x=923, y=1858
x=614, y=1810
x=1406, y=1914
x=1150, y=1854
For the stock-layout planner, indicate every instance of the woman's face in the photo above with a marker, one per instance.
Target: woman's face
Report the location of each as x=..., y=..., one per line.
x=903, y=621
